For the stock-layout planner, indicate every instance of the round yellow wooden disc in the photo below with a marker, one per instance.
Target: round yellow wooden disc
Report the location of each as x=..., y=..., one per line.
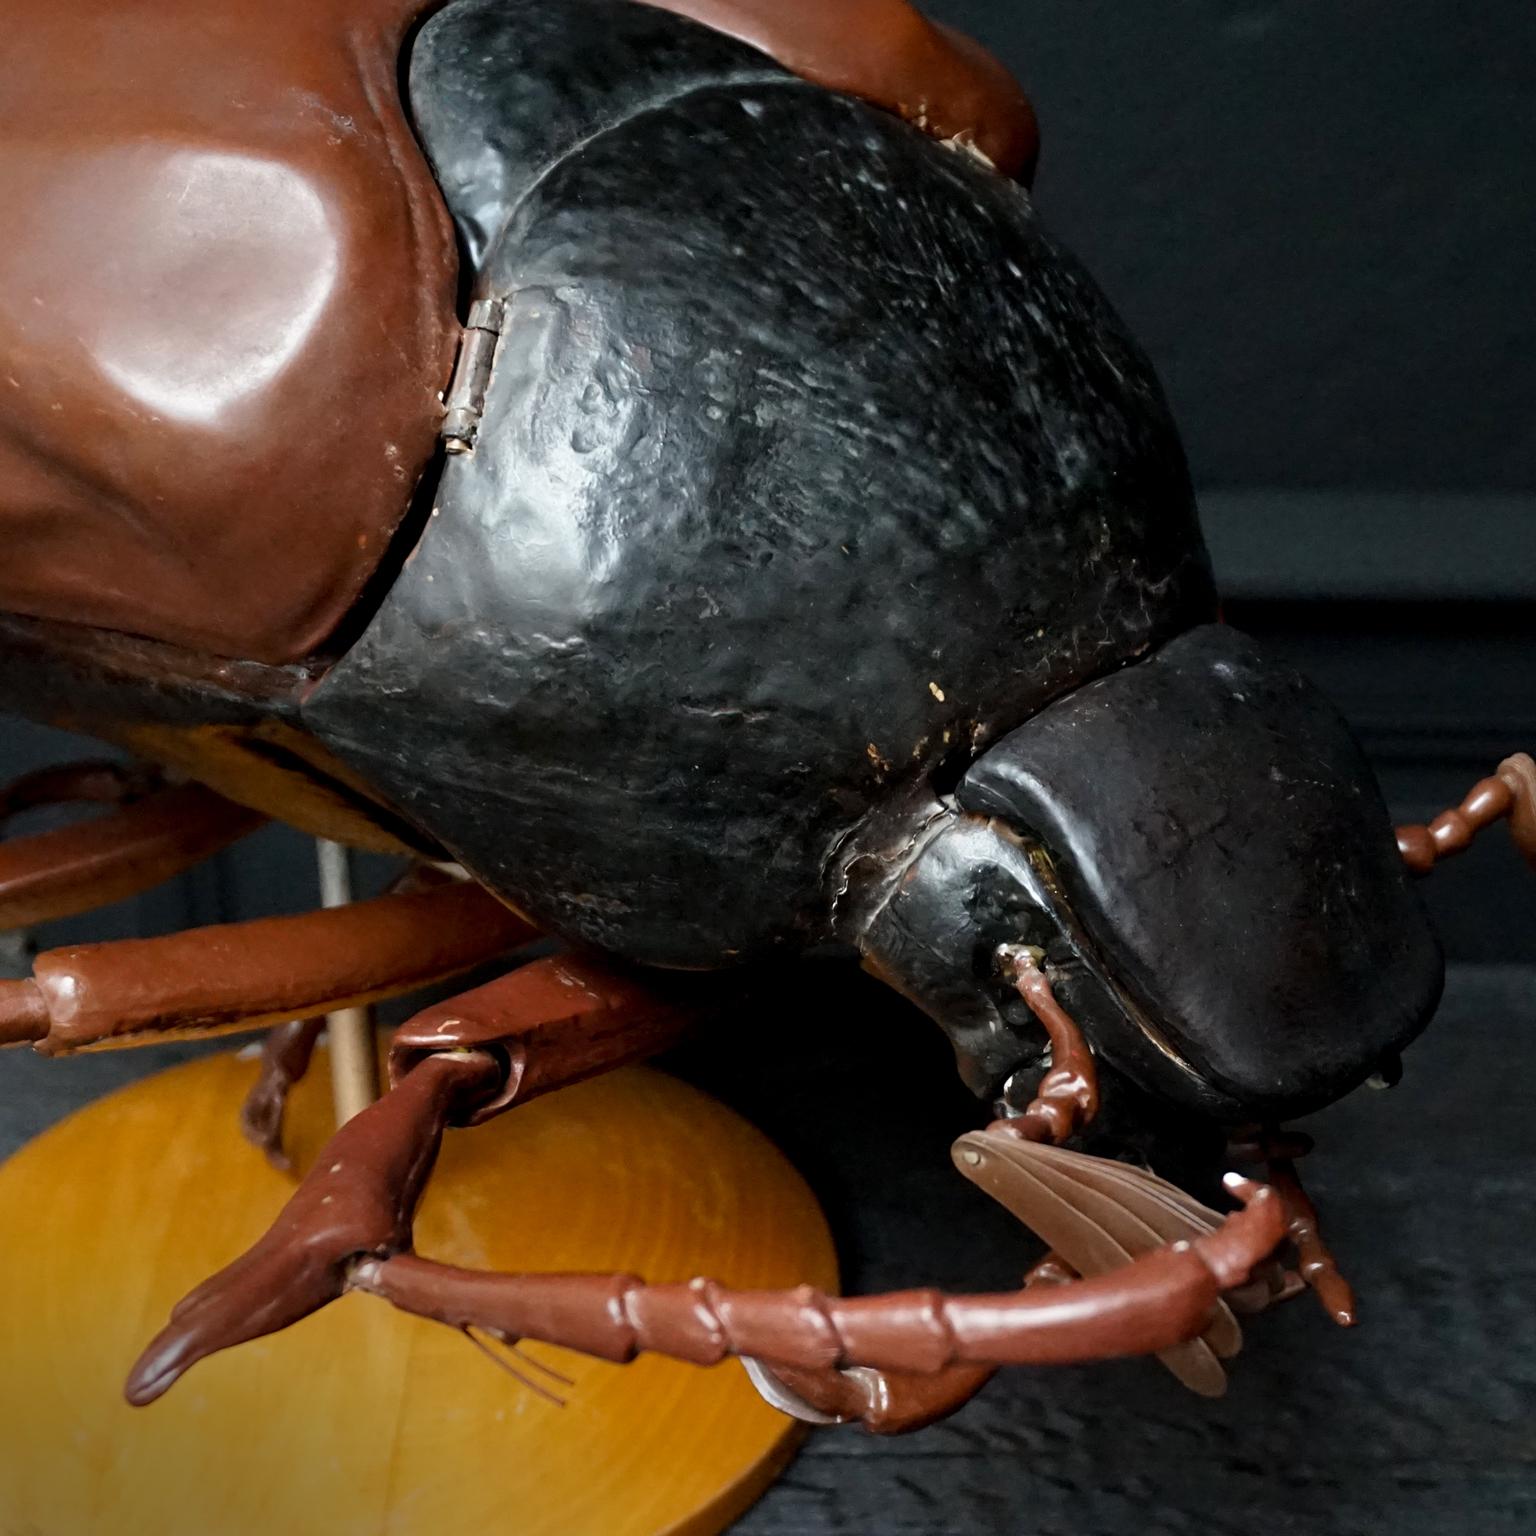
x=361, y=1421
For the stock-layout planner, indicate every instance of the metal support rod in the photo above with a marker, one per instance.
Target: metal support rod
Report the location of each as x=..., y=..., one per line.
x=354, y=1061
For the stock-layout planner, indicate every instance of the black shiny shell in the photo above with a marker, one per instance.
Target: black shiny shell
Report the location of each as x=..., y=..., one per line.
x=810, y=466
x=1224, y=843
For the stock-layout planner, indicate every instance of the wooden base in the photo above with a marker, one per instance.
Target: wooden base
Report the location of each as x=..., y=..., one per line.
x=361, y=1420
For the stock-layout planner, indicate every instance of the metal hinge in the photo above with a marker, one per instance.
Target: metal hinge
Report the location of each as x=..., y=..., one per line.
x=465, y=401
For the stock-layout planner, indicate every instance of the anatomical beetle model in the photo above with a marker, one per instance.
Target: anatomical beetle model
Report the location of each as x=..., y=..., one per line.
x=787, y=549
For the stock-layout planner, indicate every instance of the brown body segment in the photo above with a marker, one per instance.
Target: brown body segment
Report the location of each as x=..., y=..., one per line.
x=227, y=296
x=889, y=53
x=226, y=310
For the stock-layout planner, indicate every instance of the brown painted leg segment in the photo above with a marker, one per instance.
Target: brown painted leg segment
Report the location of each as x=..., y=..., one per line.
x=94, y=782
x=289, y=1049
x=1068, y=1095
x=252, y=975
x=1277, y=1150
x=554, y=1022
x=1319, y=1269
x=359, y=1199
x=1509, y=793
x=132, y=849
x=285, y=1058
x=886, y=1402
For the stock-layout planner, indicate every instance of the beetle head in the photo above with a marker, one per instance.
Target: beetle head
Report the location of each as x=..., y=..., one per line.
x=1198, y=847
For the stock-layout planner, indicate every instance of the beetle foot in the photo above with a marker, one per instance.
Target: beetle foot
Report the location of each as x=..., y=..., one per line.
x=881, y=1402
x=285, y=1057
x=1067, y=1096
x=1317, y=1269
x=1510, y=792
x=1099, y=1217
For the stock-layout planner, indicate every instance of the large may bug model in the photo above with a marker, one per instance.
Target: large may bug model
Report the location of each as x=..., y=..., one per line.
x=651, y=463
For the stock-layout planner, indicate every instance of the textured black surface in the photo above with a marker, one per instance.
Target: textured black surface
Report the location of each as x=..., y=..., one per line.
x=1222, y=839
x=810, y=464
x=1418, y=1422
x=502, y=90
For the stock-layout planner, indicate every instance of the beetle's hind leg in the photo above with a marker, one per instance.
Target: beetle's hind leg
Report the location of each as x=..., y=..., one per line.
x=253, y=975
x=151, y=834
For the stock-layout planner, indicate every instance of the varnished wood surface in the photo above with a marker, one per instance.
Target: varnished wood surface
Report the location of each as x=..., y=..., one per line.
x=1421, y=1422
x=360, y=1421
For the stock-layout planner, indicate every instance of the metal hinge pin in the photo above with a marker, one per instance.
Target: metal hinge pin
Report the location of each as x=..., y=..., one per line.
x=465, y=402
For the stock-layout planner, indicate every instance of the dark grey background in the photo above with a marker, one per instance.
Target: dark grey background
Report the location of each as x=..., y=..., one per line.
x=1319, y=219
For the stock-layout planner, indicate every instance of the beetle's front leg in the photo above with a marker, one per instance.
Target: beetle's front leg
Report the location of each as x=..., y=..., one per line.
x=551, y=1023
x=1067, y=1097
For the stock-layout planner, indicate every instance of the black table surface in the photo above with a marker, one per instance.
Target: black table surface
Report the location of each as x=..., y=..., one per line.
x=1421, y=1420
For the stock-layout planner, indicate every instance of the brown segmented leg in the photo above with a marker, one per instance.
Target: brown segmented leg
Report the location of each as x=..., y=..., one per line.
x=243, y=976
x=566, y=1018
x=92, y=782
x=1510, y=793
x=289, y=1049
x=1067, y=1097
x=1277, y=1151
x=1318, y=1267
x=285, y=1057
x=553, y=1022
x=1153, y=1304
x=1097, y=1228
x=129, y=850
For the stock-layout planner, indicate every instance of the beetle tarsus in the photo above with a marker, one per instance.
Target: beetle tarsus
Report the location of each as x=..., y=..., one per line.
x=285, y=1057
x=1316, y=1269
x=1160, y=1300
x=1507, y=794
x=1317, y=1266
